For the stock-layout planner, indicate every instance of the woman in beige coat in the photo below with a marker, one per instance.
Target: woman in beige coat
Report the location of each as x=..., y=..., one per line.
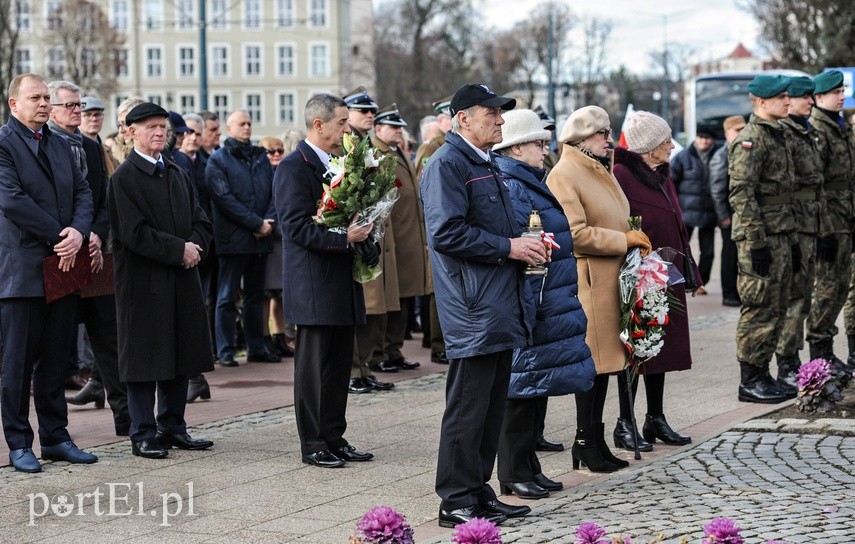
x=597, y=211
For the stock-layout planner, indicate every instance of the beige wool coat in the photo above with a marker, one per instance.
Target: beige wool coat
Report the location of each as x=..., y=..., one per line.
x=408, y=219
x=597, y=211
x=381, y=293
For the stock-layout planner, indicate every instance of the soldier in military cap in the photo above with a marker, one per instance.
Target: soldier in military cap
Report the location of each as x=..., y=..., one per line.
x=810, y=223
x=548, y=124
x=761, y=186
x=361, y=110
x=833, y=276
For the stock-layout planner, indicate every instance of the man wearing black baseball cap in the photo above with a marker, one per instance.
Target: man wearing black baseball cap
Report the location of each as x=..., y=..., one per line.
x=477, y=256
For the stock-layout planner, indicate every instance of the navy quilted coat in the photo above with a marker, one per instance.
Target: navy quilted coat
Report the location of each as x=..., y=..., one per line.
x=559, y=361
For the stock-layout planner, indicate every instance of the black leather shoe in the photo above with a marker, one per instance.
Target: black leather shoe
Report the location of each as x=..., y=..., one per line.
x=656, y=428
x=349, y=453
x=323, y=459
x=358, y=386
x=93, y=391
x=762, y=392
x=376, y=384
x=183, y=441
x=547, y=484
x=523, y=490
x=496, y=506
x=405, y=364
x=543, y=444
x=264, y=357
x=453, y=518
x=732, y=302
x=198, y=388
x=439, y=358
x=150, y=449
x=228, y=361
x=387, y=366
x=622, y=436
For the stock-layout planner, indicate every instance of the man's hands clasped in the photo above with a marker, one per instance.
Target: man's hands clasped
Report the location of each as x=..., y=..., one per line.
x=532, y=251
x=67, y=249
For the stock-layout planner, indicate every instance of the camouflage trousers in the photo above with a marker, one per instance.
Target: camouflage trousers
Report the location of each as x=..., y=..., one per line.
x=792, y=338
x=829, y=292
x=764, y=301
x=849, y=307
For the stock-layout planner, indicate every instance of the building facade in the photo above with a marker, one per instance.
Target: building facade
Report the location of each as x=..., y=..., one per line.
x=265, y=56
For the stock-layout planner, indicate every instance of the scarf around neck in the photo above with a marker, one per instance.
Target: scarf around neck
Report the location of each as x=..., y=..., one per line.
x=75, y=140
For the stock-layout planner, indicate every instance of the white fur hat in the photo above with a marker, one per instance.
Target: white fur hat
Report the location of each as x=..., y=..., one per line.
x=521, y=126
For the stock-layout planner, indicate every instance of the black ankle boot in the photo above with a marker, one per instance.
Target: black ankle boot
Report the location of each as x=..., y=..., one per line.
x=93, y=391
x=604, y=449
x=623, y=437
x=198, y=388
x=788, y=367
x=282, y=345
x=756, y=385
x=655, y=427
x=586, y=452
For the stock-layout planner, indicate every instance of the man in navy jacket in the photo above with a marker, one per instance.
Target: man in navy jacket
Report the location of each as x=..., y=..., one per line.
x=45, y=209
x=475, y=253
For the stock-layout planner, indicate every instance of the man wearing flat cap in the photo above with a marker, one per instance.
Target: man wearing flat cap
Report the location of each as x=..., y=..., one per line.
x=361, y=109
x=477, y=259
x=764, y=229
x=810, y=222
x=159, y=236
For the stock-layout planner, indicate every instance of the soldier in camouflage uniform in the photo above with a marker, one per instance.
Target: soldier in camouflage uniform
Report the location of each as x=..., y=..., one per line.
x=761, y=187
x=806, y=204
x=838, y=160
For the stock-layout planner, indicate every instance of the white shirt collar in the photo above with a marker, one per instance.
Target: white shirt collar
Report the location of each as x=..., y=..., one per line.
x=149, y=158
x=323, y=155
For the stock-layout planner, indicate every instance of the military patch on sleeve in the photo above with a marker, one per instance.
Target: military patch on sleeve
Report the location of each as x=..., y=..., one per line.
x=746, y=145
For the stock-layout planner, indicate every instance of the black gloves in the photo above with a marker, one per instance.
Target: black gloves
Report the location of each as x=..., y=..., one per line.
x=796, y=253
x=826, y=248
x=760, y=260
x=368, y=251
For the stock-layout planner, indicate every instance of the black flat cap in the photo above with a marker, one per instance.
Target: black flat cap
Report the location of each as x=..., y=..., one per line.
x=143, y=111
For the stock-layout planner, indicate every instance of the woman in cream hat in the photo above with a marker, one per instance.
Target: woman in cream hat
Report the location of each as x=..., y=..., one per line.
x=559, y=362
x=597, y=211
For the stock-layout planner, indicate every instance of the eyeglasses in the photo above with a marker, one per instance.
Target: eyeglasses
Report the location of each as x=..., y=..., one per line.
x=605, y=133
x=276, y=151
x=542, y=144
x=93, y=114
x=71, y=105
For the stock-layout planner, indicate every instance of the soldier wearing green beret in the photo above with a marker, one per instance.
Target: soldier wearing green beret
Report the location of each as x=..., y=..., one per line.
x=764, y=229
x=811, y=223
x=833, y=278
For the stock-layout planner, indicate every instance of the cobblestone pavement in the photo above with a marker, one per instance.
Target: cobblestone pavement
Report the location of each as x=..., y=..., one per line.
x=776, y=485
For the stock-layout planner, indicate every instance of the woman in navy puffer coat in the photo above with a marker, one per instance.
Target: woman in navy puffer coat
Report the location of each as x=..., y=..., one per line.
x=559, y=361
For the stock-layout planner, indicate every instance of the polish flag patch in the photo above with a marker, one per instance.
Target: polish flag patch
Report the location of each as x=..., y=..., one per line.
x=747, y=145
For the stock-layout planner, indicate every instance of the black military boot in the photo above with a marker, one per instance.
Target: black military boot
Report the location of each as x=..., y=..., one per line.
x=825, y=350
x=788, y=367
x=851, y=360
x=756, y=385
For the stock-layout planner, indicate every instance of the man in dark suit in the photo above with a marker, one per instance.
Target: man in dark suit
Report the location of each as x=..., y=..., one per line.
x=320, y=295
x=45, y=209
x=98, y=314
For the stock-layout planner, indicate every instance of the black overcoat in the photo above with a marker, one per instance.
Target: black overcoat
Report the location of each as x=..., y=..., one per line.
x=163, y=327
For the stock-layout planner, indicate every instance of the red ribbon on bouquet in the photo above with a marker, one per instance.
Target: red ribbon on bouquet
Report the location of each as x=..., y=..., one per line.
x=549, y=239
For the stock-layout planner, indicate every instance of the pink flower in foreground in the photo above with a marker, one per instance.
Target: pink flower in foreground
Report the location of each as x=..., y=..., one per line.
x=477, y=531
x=813, y=376
x=383, y=525
x=723, y=531
x=590, y=533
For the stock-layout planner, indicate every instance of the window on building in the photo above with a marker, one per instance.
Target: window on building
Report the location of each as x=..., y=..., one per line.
x=56, y=63
x=286, y=109
x=23, y=61
x=121, y=60
x=187, y=103
x=153, y=14
x=253, y=107
x=155, y=99
x=252, y=56
x=319, y=60
x=284, y=12
x=318, y=12
x=285, y=60
x=252, y=13
x=52, y=14
x=186, y=62
x=88, y=62
x=220, y=60
x=185, y=14
x=219, y=13
x=119, y=14
x=23, y=15
x=221, y=105
x=153, y=62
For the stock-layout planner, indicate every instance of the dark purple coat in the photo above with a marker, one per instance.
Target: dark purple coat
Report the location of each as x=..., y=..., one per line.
x=652, y=195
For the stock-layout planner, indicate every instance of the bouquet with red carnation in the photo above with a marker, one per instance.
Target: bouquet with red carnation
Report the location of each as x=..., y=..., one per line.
x=362, y=190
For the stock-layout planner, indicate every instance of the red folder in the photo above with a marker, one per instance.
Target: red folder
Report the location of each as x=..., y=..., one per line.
x=102, y=282
x=58, y=283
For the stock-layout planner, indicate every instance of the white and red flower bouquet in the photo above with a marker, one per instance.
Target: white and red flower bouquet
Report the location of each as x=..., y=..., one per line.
x=645, y=300
x=362, y=189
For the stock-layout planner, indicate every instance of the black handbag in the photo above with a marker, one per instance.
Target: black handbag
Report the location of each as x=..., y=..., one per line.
x=691, y=283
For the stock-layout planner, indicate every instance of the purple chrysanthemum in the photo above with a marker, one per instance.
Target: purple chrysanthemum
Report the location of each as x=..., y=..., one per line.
x=723, y=531
x=477, y=531
x=813, y=376
x=590, y=533
x=383, y=525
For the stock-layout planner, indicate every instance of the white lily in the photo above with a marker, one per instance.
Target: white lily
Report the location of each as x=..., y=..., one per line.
x=370, y=160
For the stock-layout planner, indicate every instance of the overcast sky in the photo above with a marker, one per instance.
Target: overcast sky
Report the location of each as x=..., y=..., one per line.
x=714, y=27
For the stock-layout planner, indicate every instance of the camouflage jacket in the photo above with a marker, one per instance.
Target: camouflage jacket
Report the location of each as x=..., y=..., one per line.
x=838, y=161
x=808, y=199
x=761, y=183
x=425, y=151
